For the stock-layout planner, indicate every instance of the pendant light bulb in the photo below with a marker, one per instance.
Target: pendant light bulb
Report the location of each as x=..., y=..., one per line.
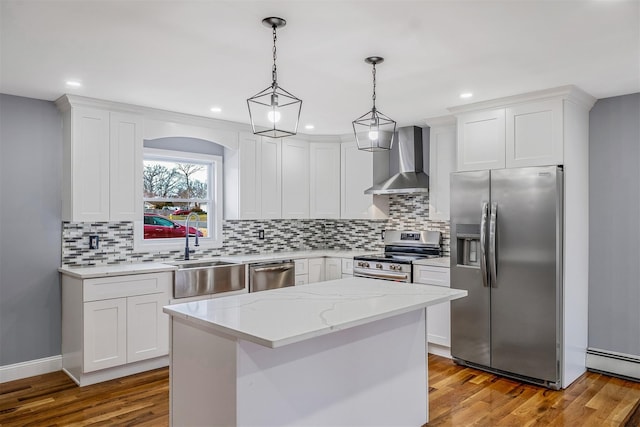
x=274, y=116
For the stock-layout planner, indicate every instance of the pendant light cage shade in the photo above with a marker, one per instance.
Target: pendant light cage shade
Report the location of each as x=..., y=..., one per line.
x=374, y=131
x=274, y=112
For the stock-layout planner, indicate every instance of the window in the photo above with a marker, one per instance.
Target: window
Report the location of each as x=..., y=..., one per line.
x=180, y=188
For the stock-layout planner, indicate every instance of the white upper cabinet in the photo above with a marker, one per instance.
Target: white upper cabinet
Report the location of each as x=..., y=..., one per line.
x=324, y=180
x=534, y=134
x=532, y=129
x=481, y=138
x=102, y=159
x=271, y=178
x=295, y=178
x=442, y=160
x=253, y=176
x=359, y=170
x=125, y=167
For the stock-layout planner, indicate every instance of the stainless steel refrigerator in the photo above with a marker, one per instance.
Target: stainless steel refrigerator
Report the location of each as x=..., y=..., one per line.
x=506, y=252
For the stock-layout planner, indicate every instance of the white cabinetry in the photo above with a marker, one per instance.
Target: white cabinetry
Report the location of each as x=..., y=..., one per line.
x=317, y=270
x=253, y=178
x=442, y=159
x=438, y=316
x=519, y=131
x=481, y=137
x=534, y=134
x=324, y=180
x=109, y=323
x=295, y=179
x=347, y=267
x=333, y=268
x=102, y=159
x=359, y=170
x=301, y=271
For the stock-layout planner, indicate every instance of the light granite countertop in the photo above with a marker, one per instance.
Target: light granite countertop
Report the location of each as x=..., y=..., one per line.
x=287, y=315
x=115, y=270
x=444, y=261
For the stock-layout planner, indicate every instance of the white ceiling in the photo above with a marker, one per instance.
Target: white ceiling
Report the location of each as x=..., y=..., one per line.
x=188, y=56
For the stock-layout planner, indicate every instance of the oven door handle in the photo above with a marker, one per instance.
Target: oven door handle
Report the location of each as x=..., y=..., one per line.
x=403, y=277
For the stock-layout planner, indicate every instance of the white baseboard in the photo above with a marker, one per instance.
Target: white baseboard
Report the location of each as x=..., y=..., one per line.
x=439, y=350
x=625, y=365
x=30, y=368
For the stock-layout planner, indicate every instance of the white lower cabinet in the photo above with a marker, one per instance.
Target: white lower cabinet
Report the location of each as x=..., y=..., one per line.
x=333, y=268
x=316, y=270
x=105, y=334
x=301, y=271
x=114, y=326
x=438, y=316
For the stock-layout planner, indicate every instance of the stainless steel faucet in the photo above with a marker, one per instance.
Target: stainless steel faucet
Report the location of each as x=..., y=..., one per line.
x=186, y=235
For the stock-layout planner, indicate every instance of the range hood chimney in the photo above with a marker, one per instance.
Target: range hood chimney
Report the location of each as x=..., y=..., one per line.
x=411, y=179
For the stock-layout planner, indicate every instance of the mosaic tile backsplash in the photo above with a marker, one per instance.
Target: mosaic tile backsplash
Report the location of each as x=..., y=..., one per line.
x=406, y=212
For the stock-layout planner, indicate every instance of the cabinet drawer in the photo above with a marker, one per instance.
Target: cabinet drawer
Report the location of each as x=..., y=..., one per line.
x=427, y=275
x=302, y=279
x=124, y=286
x=347, y=265
x=302, y=266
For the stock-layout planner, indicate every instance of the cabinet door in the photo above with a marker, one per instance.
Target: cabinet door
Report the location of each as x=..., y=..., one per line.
x=347, y=266
x=147, y=327
x=87, y=171
x=250, y=184
x=271, y=178
x=105, y=334
x=534, y=134
x=333, y=268
x=441, y=164
x=125, y=167
x=481, y=140
x=357, y=173
x=324, y=180
x=438, y=316
x=316, y=270
x=295, y=179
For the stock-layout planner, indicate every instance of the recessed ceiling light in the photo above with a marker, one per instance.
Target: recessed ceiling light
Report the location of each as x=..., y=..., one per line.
x=216, y=109
x=73, y=83
x=466, y=95
x=309, y=127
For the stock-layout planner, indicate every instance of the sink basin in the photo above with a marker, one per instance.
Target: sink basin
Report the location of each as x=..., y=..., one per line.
x=207, y=277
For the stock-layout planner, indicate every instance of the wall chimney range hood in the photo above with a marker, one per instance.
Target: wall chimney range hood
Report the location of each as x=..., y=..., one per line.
x=411, y=179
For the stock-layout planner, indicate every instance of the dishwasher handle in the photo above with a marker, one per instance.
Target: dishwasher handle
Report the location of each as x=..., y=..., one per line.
x=281, y=267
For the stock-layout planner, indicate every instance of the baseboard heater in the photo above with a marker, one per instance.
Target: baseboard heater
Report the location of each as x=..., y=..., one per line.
x=619, y=364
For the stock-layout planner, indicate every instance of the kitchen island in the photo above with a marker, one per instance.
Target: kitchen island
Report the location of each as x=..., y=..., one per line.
x=344, y=352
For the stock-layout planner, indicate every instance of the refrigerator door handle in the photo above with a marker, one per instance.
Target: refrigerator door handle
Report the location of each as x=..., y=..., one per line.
x=483, y=244
x=493, y=268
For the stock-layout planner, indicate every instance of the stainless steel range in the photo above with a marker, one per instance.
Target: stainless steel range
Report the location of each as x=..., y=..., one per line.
x=400, y=250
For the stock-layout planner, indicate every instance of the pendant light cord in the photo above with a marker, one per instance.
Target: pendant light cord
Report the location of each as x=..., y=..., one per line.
x=274, y=71
x=374, y=86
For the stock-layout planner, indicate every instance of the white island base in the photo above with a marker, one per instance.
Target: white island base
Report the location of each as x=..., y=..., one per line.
x=363, y=364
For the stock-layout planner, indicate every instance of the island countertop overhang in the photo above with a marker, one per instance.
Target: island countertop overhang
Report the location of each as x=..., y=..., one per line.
x=284, y=316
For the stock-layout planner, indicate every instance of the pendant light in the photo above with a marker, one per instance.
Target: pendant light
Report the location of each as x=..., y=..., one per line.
x=374, y=131
x=274, y=112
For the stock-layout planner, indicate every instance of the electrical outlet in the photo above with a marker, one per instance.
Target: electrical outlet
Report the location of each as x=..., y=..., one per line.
x=94, y=241
x=261, y=234
x=382, y=234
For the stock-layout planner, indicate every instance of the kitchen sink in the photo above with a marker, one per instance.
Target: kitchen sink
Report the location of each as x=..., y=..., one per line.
x=207, y=277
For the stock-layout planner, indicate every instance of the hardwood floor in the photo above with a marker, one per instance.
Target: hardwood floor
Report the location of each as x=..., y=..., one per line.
x=458, y=397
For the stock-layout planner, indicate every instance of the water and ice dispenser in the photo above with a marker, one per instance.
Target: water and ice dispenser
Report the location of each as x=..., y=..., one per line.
x=468, y=244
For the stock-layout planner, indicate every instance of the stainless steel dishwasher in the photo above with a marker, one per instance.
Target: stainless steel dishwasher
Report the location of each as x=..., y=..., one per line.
x=271, y=275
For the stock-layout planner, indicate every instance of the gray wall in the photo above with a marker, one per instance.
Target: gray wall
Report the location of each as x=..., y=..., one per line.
x=614, y=224
x=30, y=229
